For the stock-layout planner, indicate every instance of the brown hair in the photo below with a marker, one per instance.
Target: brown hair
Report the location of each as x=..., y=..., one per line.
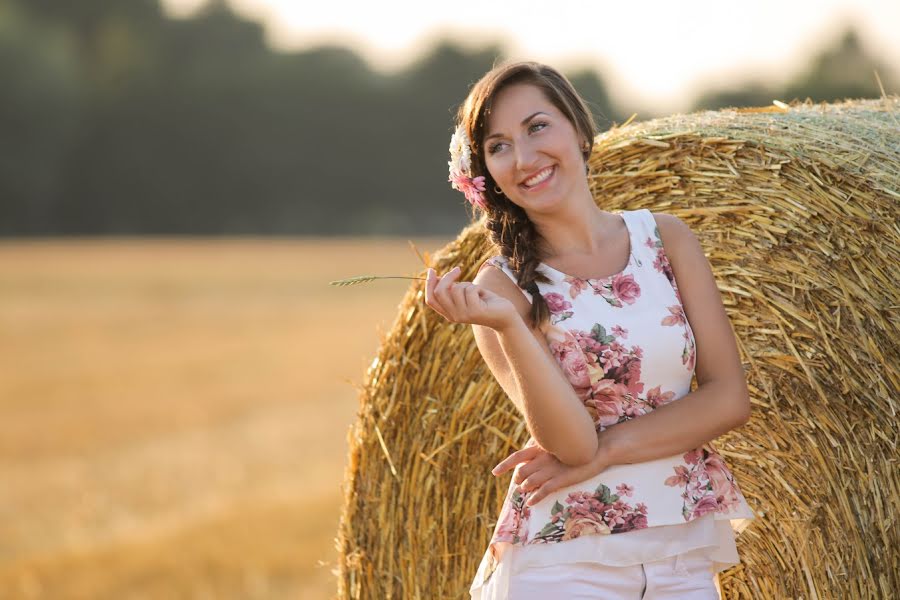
x=510, y=228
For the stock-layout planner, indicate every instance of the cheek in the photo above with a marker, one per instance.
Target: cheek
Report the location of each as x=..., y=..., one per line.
x=497, y=170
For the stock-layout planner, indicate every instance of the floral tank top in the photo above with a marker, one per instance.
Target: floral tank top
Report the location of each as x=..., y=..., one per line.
x=626, y=346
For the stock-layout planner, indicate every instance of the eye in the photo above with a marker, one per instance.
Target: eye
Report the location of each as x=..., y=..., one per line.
x=533, y=128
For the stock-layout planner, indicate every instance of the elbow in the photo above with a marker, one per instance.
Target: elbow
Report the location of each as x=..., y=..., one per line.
x=732, y=401
x=741, y=410
x=572, y=454
x=581, y=453
x=573, y=443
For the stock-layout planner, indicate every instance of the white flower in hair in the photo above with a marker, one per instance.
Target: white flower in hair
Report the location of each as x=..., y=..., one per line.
x=460, y=152
x=460, y=164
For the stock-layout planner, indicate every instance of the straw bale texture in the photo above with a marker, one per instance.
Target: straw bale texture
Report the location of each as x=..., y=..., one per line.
x=796, y=209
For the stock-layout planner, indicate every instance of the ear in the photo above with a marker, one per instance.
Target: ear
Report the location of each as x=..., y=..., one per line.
x=585, y=153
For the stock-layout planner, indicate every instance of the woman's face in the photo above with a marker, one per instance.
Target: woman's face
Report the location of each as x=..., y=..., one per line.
x=531, y=150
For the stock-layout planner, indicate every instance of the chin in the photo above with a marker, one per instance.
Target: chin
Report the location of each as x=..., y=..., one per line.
x=544, y=205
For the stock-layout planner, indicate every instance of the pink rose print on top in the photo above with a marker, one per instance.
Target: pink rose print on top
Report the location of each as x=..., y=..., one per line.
x=557, y=302
x=560, y=308
x=625, y=288
x=620, y=363
x=689, y=354
x=572, y=360
x=655, y=397
x=708, y=484
x=661, y=262
x=597, y=512
x=721, y=480
x=513, y=524
x=576, y=286
x=678, y=318
x=618, y=290
x=605, y=374
x=607, y=402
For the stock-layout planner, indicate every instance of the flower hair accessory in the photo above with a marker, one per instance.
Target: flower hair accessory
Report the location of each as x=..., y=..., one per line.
x=460, y=168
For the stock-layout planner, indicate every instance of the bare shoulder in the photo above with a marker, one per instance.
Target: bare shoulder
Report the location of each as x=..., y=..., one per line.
x=673, y=232
x=686, y=258
x=495, y=280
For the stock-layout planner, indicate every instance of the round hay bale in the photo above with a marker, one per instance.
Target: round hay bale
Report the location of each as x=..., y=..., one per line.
x=796, y=209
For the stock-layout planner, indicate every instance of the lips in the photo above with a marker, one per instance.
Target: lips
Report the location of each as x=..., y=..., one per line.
x=546, y=173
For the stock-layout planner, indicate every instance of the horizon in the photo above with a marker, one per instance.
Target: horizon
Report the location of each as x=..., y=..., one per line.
x=793, y=35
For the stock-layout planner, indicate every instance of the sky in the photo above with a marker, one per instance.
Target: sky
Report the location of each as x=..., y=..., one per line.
x=650, y=53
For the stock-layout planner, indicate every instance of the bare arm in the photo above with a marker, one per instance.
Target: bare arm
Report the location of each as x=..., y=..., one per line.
x=721, y=401
x=521, y=361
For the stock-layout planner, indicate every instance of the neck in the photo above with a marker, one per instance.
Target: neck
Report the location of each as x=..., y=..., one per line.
x=579, y=227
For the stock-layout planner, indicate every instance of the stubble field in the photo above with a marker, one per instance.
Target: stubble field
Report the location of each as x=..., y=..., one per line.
x=174, y=413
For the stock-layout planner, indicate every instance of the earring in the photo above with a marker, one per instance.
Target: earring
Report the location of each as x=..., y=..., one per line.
x=498, y=191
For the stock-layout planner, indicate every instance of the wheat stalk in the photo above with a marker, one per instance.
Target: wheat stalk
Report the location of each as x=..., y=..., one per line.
x=367, y=278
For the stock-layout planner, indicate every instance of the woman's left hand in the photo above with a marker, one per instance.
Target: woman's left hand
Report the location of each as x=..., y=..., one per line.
x=541, y=473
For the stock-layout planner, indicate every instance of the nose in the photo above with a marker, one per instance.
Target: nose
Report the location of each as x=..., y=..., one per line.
x=526, y=158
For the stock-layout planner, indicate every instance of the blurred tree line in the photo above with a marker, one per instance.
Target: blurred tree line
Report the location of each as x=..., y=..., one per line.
x=116, y=119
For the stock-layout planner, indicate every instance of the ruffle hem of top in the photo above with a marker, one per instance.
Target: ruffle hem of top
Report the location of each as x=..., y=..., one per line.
x=716, y=535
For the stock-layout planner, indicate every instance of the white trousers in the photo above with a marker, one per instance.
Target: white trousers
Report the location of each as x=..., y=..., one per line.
x=687, y=576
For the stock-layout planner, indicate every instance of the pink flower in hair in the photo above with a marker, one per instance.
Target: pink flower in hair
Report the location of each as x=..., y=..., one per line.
x=460, y=168
x=472, y=188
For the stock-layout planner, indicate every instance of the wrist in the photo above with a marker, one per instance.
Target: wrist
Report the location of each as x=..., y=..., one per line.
x=603, y=457
x=509, y=325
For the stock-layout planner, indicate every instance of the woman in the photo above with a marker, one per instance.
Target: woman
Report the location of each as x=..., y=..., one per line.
x=602, y=504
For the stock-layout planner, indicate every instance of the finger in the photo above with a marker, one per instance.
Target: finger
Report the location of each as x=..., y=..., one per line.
x=540, y=493
x=524, y=471
x=540, y=462
x=473, y=296
x=429, y=284
x=510, y=461
x=543, y=467
x=458, y=293
x=431, y=281
x=515, y=458
x=483, y=294
x=448, y=278
x=442, y=288
x=534, y=481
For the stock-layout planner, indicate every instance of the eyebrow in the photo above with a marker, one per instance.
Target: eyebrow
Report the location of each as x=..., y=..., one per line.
x=524, y=121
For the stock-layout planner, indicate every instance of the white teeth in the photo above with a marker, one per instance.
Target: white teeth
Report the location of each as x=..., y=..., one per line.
x=539, y=177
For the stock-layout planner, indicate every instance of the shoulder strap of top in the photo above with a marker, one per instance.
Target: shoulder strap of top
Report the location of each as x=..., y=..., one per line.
x=502, y=263
x=643, y=234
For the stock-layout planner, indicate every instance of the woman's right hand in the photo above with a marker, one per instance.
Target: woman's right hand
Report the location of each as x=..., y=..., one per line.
x=467, y=302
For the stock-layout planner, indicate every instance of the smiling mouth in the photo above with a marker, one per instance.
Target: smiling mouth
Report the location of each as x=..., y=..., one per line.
x=542, y=177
